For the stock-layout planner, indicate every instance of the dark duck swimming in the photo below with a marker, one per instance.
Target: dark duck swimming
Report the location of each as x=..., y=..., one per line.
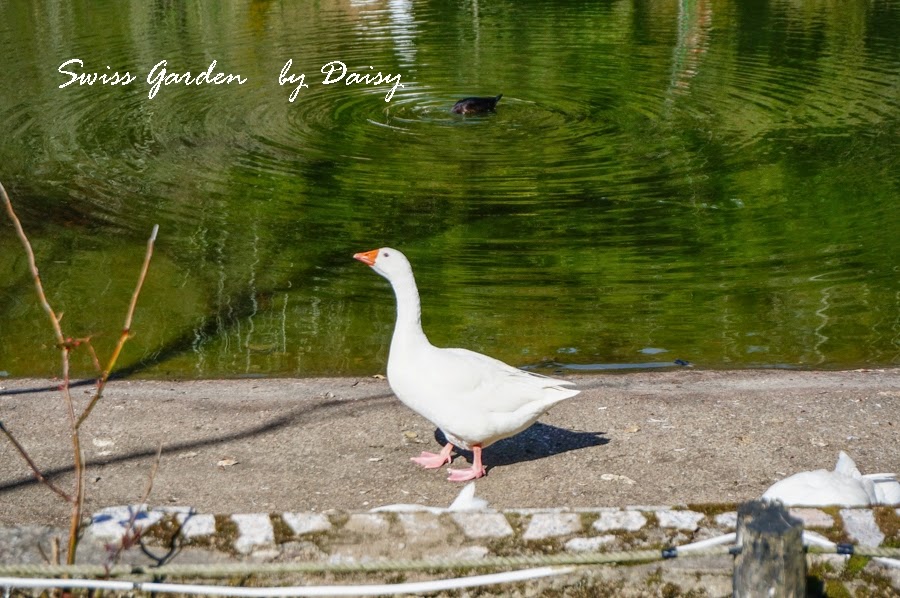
x=476, y=105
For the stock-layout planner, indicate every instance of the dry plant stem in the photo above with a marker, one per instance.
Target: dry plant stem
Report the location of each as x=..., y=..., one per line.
x=75, y=343
x=93, y=355
x=32, y=465
x=57, y=329
x=130, y=537
x=126, y=329
x=78, y=458
x=152, y=476
x=78, y=498
x=65, y=346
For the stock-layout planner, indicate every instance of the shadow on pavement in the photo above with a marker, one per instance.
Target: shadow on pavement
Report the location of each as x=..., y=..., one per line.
x=537, y=442
x=292, y=418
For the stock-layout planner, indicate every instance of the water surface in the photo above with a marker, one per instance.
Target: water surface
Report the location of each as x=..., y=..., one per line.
x=715, y=182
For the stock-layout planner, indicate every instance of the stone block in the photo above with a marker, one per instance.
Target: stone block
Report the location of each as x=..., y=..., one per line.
x=483, y=525
x=860, y=525
x=306, y=523
x=254, y=531
x=589, y=544
x=196, y=525
x=812, y=517
x=683, y=520
x=111, y=523
x=424, y=527
x=727, y=520
x=627, y=520
x=552, y=525
x=367, y=523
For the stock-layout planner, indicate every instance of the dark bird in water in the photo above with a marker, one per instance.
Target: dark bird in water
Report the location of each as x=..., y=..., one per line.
x=476, y=105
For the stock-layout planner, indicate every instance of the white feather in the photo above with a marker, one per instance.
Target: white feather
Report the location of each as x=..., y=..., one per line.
x=464, y=501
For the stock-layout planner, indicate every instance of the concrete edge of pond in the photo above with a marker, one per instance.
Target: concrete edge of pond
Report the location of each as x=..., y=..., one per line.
x=370, y=538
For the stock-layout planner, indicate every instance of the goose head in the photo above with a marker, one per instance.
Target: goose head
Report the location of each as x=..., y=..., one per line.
x=387, y=262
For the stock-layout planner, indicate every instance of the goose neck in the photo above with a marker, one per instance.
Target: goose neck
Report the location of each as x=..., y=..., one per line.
x=409, y=309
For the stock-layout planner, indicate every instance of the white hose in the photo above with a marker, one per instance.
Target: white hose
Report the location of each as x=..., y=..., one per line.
x=820, y=540
x=702, y=544
x=366, y=590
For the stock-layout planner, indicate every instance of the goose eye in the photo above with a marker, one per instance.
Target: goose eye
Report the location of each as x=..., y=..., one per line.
x=385, y=254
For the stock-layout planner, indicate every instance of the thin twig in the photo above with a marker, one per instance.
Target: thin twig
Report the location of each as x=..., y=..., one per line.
x=31, y=464
x=126, y=330
x=152, y=476
x=132, y=536
x=86, y=341
x=78, y=461
x=64, y=347
x=57, y=329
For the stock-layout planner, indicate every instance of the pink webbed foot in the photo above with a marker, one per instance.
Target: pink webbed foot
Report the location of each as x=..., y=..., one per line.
x=471, y=473
x=463, y=475
x=433, y=461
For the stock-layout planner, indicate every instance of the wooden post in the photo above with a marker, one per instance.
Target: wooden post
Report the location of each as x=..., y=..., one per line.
x=772, y=562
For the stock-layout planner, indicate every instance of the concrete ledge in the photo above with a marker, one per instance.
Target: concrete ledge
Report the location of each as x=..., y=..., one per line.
x=338, y=536
x=514, y=531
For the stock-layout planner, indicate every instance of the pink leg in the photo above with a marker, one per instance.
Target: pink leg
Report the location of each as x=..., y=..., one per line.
x=472, y=473
x=432, y=461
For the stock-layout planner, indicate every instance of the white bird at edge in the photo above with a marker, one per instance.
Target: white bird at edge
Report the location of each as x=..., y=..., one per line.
x=845, y=486
x=474, y=399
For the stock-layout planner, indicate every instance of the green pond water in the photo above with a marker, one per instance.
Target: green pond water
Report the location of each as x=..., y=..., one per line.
x=709, y=181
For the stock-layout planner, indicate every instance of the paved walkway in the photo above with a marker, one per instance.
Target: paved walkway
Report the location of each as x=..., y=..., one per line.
x=305, y=460
x=296, y=445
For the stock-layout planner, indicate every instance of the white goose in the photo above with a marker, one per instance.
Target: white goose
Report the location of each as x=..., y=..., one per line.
x=845, y=486
x=474, y=399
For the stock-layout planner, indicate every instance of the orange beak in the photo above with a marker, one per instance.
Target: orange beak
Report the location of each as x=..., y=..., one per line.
x=367, y=257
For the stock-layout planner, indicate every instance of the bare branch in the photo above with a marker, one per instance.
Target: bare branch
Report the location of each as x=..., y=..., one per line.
x=77, y=458
x=31, y=464
x=93, y=355
x=132, y=536
x=152, y=476
x=77, y=500
x=60, y=340
x=65, y=346
x=126, y=330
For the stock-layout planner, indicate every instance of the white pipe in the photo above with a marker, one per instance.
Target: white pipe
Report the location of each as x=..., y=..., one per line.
x=808, y=539
x=700, y=545
x=816, y=539
x=366, y=590
x=820, y=540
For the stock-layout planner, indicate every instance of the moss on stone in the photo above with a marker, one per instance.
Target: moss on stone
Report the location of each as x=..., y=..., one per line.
x=164, y=532
x=280, y=529
x=588, y=519
x=855, y=564
x=889, y=522
x=655, y=578
x=836, y=589
x=836, y=533
x=713, y=509
x=670, y=590
x=877, y=585
x=226, y=535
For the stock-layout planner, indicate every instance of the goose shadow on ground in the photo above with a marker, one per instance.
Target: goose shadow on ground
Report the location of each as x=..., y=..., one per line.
x=537, y=442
